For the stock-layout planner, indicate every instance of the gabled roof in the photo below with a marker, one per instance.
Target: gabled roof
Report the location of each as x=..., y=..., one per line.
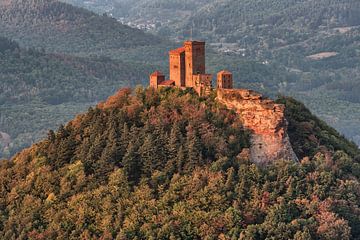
x=157, y=74
x=177, y=51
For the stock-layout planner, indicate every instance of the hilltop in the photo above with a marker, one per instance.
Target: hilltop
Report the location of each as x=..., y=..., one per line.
x=167, y=164
x=63, y=28
x=279, y=40
x=39, y=91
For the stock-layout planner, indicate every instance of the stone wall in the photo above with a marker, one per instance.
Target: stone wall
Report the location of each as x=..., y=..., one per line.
x=265, y=119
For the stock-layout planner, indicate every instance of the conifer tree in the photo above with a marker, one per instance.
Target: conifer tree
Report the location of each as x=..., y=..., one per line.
x=91, y=163
x=51, y=136
x=180, y=159
x=194, y=155
x=124, y=138
x=131, y=163
x=174, y=142
x=148, y=155
x=112, y=152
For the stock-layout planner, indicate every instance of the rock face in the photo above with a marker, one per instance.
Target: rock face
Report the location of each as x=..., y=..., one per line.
x=265, y=119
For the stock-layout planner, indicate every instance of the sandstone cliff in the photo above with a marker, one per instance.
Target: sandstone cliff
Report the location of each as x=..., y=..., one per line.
x=265, y=119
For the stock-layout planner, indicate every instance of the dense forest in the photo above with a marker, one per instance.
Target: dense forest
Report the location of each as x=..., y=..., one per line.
x=39, y=91
x=170, y=165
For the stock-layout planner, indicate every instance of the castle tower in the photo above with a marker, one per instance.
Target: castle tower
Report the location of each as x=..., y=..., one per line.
x=156, y=78
x=177, y=66
x=194, y=60
x=225, y=80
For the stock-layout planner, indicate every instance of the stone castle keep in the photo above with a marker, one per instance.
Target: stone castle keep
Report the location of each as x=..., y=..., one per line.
x=261, y=116
x=187, y=70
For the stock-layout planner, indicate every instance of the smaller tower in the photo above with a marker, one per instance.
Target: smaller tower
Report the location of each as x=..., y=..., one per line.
x=156, y=78
x=225, y=80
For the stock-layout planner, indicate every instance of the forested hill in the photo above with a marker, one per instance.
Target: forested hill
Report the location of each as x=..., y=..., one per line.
x=60, y=27
x=216, y=18
x=39, y=91
x=168, y=165
x=227, y=17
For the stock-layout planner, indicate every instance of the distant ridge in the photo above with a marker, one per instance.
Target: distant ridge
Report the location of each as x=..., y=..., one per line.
x=61, y=27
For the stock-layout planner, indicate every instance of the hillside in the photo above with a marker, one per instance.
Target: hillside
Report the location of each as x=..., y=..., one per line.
x=168, y=165
x=312, y=44
x=63, y=28
x=39, y=91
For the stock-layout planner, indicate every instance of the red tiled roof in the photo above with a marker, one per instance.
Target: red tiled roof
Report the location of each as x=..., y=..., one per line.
x=167, y=83
x=177, y=51
x=157, y=73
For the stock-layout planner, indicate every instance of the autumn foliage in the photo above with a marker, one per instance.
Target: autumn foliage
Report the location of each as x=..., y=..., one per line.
x=170, y=165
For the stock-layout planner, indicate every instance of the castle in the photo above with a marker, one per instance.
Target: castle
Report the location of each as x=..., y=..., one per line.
x=263, y=117
x=187, y=70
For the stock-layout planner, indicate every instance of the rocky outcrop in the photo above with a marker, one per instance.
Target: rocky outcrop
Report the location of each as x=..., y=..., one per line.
x=266, y=121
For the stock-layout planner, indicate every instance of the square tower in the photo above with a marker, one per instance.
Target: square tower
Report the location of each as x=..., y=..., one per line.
x=177, y=66
x=225, y=80
x=156, y=78
x=194, y=60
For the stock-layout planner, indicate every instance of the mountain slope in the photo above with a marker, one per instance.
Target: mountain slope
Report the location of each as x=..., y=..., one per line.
x=60, y=27
x=169, y=165
x=39, y=91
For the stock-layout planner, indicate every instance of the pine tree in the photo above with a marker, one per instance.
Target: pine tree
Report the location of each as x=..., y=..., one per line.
x=91, y=163
x=149, y=155
x=172, y=149
x=51, y=136
x=174, y=141
x=180, y=159
x=124, y=139
x=131, y=163
x=194, y=156
x=112, y=153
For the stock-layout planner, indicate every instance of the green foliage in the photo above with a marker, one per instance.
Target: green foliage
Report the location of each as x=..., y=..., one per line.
x=135, y=168
x=308, y=134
